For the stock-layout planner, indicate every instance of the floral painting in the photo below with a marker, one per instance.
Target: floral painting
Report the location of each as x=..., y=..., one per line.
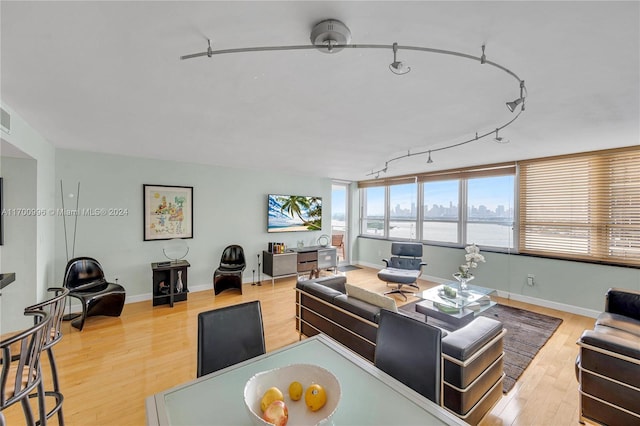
x=168, y=212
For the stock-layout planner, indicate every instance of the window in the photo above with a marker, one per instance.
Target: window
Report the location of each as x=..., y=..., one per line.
x=490, y=211
x=455, y=207
x=402, y=211
x=584, y=206
x=373, y=211
x=441, y=213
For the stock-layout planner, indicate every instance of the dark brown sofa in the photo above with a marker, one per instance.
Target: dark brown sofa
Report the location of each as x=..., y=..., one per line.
x=472, y=356
x=608, y=365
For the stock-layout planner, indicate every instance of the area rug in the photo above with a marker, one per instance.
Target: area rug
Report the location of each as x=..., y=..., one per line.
x=347, y=268
x=527, y=332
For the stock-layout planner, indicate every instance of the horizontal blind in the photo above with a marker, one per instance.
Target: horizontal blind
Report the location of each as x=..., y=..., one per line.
x=583, y=207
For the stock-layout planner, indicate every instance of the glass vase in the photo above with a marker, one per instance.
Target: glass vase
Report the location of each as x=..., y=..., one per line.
x=462, y=280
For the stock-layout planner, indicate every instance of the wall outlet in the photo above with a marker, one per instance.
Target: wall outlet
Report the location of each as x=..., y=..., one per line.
x=531, y=279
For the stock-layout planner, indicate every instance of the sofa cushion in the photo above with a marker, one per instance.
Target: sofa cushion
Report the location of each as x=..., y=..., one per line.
x=321, y=291
x=619, y=322
x=379, y=300
x=463, y=343
x=357, y=307
x=335, y=282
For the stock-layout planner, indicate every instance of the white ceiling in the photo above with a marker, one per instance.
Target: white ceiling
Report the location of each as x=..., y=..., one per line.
x=106, y=77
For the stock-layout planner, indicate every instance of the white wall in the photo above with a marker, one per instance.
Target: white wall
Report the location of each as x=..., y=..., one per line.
x=230, y=207
x=570, y=286
x=34, y=251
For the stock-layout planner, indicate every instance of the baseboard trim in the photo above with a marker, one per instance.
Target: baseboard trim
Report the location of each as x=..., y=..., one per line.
x=591, y=313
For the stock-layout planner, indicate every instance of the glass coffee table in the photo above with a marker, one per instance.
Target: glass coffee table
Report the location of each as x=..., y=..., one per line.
x=453, y=306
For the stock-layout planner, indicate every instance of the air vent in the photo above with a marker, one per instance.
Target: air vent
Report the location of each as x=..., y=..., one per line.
x=5, y=121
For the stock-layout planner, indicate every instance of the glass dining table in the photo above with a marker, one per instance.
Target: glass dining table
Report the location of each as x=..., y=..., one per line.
x=369, y=396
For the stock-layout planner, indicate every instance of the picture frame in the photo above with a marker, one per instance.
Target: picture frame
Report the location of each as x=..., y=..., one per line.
x=168, y=212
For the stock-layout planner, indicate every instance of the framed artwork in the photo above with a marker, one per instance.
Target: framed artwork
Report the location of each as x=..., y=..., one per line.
x=168, y=212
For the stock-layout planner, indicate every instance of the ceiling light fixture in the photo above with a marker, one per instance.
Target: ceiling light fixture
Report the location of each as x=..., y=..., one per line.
x=514, y=104
x=500, y=139
x=331, y=36
x=398, y=67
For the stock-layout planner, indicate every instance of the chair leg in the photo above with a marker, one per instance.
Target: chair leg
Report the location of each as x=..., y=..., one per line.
x=398, y=290
x=56, y=389
x=26, y=408
x=79, y=323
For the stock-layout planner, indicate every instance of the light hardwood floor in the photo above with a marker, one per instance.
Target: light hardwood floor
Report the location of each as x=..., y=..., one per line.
x=109, y=368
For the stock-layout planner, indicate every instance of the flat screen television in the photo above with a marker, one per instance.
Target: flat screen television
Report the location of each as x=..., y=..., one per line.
x=290, y=213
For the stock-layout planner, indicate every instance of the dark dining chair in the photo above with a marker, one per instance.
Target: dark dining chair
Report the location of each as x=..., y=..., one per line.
x=229, y=335
x=55, y=308
x=85, y=280
x=20, y=372
x=410, y=351
x=229, y=274
x=404, y=267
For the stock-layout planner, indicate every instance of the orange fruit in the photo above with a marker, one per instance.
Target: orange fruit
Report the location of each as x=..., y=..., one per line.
x=295, y=391
x=315, y=397
x=270, y=395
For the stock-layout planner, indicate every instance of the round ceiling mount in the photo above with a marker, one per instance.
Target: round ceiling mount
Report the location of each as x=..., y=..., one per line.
x=329, y=33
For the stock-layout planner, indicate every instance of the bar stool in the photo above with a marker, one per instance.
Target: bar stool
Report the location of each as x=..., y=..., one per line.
x=55, y=308
x=21, y=372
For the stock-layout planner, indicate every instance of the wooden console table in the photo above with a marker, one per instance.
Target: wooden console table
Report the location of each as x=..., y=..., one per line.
x=298, y=261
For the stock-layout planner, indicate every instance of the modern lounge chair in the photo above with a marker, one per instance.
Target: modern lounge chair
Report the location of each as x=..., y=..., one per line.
x=229, y=274
x=404, y=267
x=85, y=280
x=229, y=335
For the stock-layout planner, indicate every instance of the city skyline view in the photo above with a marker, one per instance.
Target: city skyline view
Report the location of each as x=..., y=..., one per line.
x=487, y=198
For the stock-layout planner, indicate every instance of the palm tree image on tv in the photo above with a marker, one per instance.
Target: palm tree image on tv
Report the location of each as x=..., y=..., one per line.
x=294, y=213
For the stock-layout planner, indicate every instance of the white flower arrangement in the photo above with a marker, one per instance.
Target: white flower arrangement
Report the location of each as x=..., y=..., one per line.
x=473, y=257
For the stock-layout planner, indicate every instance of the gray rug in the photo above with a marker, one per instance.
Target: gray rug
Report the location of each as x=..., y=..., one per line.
x=348, y=268
x=527, y=332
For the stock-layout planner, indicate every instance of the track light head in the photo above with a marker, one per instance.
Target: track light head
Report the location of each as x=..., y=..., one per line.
x=398, y=67
x=483, y=58
x=429, y=161
x=512, y=105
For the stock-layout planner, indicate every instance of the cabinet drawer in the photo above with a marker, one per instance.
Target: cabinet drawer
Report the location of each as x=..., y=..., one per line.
x=327, y=258
x=284, y=264
x=307, y=256
x=307, y=266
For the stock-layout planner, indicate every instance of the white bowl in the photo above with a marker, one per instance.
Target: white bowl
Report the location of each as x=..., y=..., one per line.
x=299, y=414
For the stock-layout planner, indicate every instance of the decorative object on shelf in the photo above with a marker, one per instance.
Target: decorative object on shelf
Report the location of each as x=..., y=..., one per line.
x=323, y=240
x=168, y=212
x=331, y=36
x=175, y=249
x=472, y=257
x=179, y=285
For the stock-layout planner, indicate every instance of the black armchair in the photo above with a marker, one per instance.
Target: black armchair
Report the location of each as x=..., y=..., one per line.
x=608, y=365
x=229, y=273
x=85, y=280
x=404, y=267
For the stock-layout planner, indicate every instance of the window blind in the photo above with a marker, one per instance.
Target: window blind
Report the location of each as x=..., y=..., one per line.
x=582, y=207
